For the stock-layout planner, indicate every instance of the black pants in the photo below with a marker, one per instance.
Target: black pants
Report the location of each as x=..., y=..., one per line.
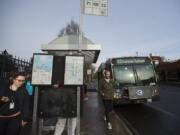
x=108, y=106
x=10, y=126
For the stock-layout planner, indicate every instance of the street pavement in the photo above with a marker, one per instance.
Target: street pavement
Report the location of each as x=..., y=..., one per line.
x=157, y=118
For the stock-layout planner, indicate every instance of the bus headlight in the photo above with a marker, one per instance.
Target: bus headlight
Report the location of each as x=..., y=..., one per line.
x=117, y=93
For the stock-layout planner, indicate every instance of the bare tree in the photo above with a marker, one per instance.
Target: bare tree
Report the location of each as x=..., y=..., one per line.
x=71, y=28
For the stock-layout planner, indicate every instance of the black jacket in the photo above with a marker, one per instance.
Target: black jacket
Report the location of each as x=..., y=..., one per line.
x=22, y=98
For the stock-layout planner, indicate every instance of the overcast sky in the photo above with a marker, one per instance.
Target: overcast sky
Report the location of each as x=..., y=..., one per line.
x=143, y=26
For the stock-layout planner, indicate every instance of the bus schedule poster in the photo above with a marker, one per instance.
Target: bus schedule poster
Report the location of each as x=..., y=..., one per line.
x=74, y=69
x=42, y=69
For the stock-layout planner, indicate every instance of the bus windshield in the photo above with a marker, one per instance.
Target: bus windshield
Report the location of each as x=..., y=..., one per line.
x=142, y=74
x=124, y=74
x=145, y=73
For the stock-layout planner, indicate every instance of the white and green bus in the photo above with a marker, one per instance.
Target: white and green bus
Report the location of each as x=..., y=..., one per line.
x=135, y=77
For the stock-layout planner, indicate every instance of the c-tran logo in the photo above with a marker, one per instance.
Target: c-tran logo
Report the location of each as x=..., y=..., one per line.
x=139, y=92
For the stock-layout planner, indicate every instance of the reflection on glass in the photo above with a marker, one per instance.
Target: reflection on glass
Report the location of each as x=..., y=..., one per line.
x=145, y=73
x=142, y=74
x=124, y=74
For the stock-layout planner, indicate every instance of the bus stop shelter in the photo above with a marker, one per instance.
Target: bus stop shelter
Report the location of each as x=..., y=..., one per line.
x=61, y=46
x=69, y=45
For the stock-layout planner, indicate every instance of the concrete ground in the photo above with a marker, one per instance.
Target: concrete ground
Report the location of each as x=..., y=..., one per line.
x=92, y=122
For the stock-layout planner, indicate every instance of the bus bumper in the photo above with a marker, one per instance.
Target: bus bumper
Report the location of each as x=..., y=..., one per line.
x=127, y=101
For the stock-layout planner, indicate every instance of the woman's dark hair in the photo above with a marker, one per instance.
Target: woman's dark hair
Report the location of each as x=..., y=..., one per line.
x=15, y=75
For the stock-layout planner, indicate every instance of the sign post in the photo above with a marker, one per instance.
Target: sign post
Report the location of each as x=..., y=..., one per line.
x=78, y=110
x=34, y=120
x=74, y=69
x=41, y=75
x=98, y=7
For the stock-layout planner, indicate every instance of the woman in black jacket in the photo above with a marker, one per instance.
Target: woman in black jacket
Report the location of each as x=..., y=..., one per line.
x=14, y=106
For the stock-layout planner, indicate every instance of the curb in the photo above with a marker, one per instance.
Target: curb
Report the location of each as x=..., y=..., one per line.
x=126, y=125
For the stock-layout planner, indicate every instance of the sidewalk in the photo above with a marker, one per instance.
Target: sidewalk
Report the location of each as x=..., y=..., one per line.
x=92, y=122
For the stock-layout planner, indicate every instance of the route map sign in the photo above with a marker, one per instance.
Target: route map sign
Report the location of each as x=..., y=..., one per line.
x=74, y=68
x=42, y=69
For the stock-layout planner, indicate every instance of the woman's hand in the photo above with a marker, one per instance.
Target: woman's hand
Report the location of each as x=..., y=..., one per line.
x=4, y=99
x=56, y=85
x=23, y=123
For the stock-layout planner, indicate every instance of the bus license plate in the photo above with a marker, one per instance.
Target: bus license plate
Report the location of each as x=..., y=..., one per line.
x=149, y=100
